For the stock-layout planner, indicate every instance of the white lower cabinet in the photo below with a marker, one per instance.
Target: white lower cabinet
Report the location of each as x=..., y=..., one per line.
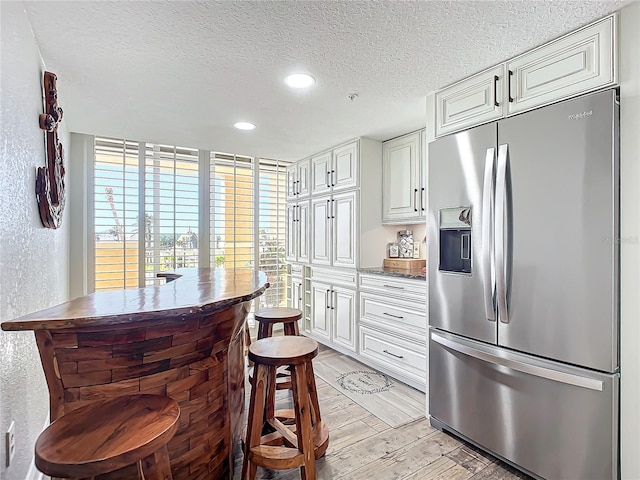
x=393, y=327
x=403, y=358
x=333, y=309
x=299, y=294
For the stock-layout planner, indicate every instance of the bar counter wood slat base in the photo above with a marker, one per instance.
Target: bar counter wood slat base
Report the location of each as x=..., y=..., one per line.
x=195, y=356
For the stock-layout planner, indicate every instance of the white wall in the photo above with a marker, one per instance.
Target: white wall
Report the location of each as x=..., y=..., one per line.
x=630, y=242
x=33, y=260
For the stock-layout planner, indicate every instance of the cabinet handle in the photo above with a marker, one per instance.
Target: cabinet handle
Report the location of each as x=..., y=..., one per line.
x=509, y=85
x=326, y=297
x=399, y=317
x=495, y=91
x=298, y=187
x=415, y=199
x=333, y=208
x=422, y=199
x=392, y=354
x=393, y=286
x=300, y=293
x=328, y=209
x=328, y=179
x=333, y=293
x=332, y=178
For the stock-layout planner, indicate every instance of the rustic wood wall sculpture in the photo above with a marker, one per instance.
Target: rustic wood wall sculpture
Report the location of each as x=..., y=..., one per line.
x=50, y=192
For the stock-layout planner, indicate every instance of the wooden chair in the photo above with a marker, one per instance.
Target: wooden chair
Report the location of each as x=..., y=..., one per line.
x=108, y=435
x=287, y=446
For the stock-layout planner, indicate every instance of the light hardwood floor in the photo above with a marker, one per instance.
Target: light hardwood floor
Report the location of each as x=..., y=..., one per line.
x=362, y=447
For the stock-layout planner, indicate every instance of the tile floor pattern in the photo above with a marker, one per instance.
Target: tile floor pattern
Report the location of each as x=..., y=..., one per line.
x=362, y=447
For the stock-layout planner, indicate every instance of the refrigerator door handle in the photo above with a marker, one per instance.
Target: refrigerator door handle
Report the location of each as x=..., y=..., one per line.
x=488, y=272
x=500, y=228
x=542, y=372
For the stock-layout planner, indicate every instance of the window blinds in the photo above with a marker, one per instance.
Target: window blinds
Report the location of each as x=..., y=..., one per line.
x=171, y=209
x=115, y=214
x=160, y=185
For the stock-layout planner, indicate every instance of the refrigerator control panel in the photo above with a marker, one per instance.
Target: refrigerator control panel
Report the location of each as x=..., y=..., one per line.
x=455, y=240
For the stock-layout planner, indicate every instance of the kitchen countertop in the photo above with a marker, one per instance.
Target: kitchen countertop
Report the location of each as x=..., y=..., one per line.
x=415, y=274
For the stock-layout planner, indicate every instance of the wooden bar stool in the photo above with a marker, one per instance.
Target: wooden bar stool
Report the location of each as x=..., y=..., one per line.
x=267, y=318
x=288, y=446
x=108, y=435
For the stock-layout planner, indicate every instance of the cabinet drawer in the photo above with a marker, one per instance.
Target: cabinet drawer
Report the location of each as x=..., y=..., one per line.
x=344, y=277
x=390, y=312
x=403, y=356
x=295, y=269
x=410, y=289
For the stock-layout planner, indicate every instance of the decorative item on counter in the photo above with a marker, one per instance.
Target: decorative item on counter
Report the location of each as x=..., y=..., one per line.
x=393, y=250
x=416, y=250
x=405, y=243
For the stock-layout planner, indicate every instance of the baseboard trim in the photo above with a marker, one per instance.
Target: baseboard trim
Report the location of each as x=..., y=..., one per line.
x=33, y=473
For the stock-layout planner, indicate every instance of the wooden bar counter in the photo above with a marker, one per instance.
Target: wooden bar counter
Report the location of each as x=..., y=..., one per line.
x=184, y=339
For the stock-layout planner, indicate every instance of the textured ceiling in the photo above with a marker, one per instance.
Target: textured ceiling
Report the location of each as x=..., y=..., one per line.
x=183, y=72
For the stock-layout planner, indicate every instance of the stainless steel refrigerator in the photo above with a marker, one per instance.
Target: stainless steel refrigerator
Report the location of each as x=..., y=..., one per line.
x=523, y=288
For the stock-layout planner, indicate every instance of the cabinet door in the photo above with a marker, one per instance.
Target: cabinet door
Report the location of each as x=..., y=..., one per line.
x=303, y=232
x=320, y=231
x=292, y=185
x=343, y=309
x=344, y=168
x=401, y=178
x=320, y=310
x=297, y=294
x=343, y=215
x=576, y=63
x=321, y=173
x=472, y=101
x=291, y=247
x=303, y=178
x=423, y=173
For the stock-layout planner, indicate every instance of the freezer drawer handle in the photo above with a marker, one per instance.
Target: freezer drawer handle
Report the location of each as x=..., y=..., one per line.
x=393, y=354
x=400, y=317
x=541, y=372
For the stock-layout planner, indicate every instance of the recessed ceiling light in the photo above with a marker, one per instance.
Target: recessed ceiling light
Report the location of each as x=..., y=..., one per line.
x=244, y=126
x=299, y=80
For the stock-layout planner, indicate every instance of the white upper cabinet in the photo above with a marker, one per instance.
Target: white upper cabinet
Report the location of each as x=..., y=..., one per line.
x=298, y=180
x=333, y=230
x=403, y=182
x=579, y=62
x=335, y=170
x=321, y=173
x=344, y=169
x=472, y=101
x=344, y=236
x=297, y=243
x=576, y=63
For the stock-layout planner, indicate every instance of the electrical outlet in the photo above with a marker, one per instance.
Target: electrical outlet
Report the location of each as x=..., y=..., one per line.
x=10, y=443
